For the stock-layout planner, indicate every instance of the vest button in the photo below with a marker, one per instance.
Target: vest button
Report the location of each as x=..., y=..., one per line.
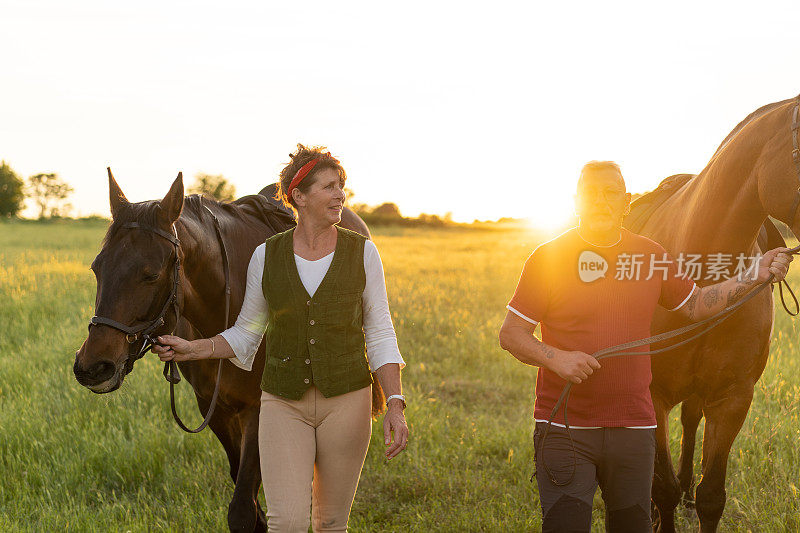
x=312, y=341
x=308, y=302
x=305, y=380
x=308, y=361
x=312, y=322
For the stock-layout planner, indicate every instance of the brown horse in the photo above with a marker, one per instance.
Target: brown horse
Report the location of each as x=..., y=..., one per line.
x=721, y=210
x=134, y=271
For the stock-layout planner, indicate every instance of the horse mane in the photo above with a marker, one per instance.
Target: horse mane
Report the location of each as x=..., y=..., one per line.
x=141, y=212
x=761, y=111
x=644, y=206
x=243, y=209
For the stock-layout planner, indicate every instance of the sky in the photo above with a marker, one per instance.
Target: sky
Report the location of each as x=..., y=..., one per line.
x=483, y=110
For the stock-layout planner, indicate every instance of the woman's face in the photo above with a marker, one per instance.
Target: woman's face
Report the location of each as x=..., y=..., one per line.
x=323, y=201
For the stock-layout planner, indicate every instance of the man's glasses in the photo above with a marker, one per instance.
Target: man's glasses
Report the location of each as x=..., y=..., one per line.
x=608, y=195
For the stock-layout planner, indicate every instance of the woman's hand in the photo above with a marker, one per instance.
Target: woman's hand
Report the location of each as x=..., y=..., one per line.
x=394, y=425
x=173, y=348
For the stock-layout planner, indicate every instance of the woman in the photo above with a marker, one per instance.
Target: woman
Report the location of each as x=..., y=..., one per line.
x=318, y=292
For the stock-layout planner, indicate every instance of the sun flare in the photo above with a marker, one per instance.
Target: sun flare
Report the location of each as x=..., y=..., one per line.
x=552, y=211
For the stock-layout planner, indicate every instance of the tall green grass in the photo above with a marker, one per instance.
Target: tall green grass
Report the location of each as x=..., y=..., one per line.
x=74, y=461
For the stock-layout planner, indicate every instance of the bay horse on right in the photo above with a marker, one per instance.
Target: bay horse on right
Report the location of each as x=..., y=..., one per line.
x=755, y=173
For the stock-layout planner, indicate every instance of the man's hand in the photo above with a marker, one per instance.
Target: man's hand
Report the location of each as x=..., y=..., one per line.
x=574, y=366
x=775, y=262
x=705, y=302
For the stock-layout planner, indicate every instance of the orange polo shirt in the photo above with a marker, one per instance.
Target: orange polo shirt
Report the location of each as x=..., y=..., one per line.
x=588, y=298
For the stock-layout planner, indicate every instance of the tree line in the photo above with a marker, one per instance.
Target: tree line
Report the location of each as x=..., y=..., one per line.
x=50, y=193
x=47, y=190
x=388, y=214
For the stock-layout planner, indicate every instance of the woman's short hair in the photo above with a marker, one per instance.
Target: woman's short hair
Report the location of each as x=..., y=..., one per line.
x=303, y=155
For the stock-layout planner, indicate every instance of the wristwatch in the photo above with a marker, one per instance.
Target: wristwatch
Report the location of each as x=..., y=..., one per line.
x=399, y=397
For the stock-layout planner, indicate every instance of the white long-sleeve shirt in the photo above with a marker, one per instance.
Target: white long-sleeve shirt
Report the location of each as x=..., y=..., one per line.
x=246, y=334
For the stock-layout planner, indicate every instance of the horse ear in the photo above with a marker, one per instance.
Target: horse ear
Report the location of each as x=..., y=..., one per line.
x=172, y=204
x=115, y=195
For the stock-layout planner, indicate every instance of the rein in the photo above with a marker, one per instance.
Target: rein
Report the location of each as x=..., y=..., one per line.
x=711, y=322
x=619, y=349
x=146, y=331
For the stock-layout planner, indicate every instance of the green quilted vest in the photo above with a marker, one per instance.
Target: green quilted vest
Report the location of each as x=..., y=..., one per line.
x=317, y=339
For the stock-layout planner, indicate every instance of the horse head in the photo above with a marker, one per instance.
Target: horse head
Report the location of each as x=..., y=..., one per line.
x=777, y=164
x=137, y=272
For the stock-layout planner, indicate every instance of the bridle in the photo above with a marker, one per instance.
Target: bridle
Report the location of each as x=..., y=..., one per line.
x=710, y=323
x=795, y=155
x=147, y=331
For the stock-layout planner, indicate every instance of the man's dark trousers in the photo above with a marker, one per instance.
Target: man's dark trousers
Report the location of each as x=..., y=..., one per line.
x=618, y=460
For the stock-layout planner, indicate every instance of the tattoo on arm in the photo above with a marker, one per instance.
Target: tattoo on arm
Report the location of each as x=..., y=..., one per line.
x=711, y=296
x=548, y=351
x=691, y=305
x=735, y=293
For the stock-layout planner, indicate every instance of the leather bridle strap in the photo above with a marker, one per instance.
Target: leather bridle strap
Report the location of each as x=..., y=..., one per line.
x=171, y=373
x=795, y=156
x=132, y=334
x=795, y=121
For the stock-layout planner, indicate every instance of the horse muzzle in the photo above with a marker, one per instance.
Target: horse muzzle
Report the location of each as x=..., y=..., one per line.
x=101, y=377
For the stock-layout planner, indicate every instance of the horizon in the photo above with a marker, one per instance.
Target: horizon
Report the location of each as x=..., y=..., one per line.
x=478, y=113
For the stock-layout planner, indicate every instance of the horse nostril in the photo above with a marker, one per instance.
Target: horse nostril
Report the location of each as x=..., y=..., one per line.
x=97, y=373
x=102, y=371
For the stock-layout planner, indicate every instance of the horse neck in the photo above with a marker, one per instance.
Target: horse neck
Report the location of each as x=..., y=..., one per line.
x=203, y=281
x=723, y=211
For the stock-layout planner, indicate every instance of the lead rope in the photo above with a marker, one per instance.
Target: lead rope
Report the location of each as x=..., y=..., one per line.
x=791, y=293
x=618, y=350
x=171, y=373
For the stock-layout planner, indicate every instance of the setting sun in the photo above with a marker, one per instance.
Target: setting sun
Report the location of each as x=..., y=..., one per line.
x=553, y=211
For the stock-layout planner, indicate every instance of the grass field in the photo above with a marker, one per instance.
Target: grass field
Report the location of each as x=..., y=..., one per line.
x=74, y=461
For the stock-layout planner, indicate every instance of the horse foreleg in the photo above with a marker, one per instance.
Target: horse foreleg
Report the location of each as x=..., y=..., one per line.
x=724, y=419
x=691, y=413
x=244, y=512
x=666, y=491
x=223, y=425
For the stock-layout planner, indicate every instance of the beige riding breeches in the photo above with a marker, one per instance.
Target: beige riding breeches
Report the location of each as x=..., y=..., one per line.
x=312, y=451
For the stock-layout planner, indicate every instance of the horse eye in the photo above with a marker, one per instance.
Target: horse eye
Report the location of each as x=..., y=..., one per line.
x=151, y=277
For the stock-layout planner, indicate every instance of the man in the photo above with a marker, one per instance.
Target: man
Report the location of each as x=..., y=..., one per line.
x=595, y=286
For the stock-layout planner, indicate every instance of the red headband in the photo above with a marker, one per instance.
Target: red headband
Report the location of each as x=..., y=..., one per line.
x=302, y=173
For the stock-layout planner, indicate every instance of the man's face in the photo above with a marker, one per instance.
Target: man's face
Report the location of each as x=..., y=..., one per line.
x=601, y=201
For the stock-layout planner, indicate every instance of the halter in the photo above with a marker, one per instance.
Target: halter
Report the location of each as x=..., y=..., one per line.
x=132, y=334
x=795, y=156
